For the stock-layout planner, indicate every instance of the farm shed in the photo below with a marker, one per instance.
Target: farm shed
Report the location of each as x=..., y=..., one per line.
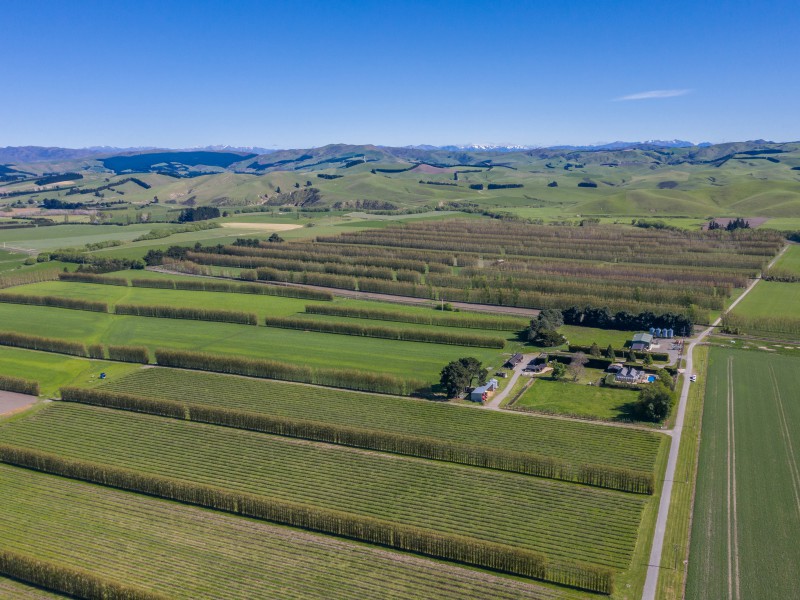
x=481, y=393
x=513, y=361
x=642, y=341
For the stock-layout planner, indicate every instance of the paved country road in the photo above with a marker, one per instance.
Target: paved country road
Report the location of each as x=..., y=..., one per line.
x=654, y=564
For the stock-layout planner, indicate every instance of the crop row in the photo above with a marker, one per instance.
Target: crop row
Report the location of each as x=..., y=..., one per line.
x=563, y=521
x=568, y=441
x=781, y=324
x=470, y=454
x=408, y=335
x=189, y=553
x=179, y=312
x=465, y=320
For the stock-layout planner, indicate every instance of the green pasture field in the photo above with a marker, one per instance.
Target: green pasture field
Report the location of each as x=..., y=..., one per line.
x=274, y=306
x=577, y=399
x=771, y=299
x=586, y=336
x=53, y=371
x=747, y=513
x=579, y=442
x=187, y=552
x=72, y=236
x=414, y=360
x=790, y=261
x=562, y=520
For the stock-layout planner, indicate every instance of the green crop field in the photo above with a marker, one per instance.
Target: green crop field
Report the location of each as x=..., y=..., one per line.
x=55, y=370
x=574, y=442
x=747, y=508
x=564, y=521
x=546, y=395
x=790, y=261
x=187, y=552
x=771, y=309
x=414, y=360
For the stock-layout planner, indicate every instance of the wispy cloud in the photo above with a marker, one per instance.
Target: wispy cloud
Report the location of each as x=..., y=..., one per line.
x=653, y=94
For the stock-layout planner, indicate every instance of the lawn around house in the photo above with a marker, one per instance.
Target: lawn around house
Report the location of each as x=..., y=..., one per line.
x=579, y=399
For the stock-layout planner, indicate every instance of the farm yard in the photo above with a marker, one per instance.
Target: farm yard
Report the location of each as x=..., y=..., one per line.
x=747, y=515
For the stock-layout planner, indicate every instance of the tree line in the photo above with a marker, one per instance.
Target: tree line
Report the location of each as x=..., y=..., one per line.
x=408, y=335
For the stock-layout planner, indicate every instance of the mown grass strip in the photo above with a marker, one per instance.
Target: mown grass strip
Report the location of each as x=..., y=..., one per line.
x=476, y=455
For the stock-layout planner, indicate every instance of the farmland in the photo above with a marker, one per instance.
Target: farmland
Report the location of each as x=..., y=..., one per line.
x=743, y=542
x=678, y=274
x=167, y=550
x=587, y=443
x=406, y=359
x=772, y=309
x=545, y=516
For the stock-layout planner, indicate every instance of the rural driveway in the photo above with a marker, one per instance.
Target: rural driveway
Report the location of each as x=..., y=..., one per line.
x=494, y=404
x=654, y=565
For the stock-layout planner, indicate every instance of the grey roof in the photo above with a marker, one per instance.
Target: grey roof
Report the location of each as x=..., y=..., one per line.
x=643, y=337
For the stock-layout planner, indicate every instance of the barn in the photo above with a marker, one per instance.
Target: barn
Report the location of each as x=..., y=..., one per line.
x=641, y=341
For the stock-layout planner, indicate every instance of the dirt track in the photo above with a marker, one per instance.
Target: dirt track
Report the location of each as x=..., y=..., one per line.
x=12, y=402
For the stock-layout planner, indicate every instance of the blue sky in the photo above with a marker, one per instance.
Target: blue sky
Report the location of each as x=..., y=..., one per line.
x=299, y=74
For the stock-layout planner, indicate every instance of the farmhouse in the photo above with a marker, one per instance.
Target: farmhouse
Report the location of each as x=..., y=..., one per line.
x=642, y=341
x=481, y=394
x=628, y=375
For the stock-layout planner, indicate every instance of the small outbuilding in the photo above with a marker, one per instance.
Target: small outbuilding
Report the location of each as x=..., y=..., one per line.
x=513, y=361
x=642, y=341
x=481, y=393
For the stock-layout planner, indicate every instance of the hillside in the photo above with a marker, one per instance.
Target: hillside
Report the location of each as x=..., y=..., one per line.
x=748, y=179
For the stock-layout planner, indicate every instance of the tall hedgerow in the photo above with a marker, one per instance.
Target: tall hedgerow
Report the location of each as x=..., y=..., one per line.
x=271, y=369
x=409, y=335
x=184, y=312
x=55, y=301
x=72, y=581
x=136, y=354
x=19, y=385
x=35, y=342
